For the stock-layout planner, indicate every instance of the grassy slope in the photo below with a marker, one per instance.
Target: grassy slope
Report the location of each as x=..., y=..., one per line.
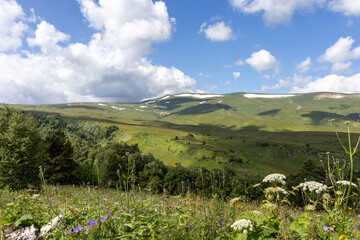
x=267, y=134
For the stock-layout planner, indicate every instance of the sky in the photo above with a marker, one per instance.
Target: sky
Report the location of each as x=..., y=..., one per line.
x=55, y=51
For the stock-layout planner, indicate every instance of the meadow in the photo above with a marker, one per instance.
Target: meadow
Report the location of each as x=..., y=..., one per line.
x=90, y=212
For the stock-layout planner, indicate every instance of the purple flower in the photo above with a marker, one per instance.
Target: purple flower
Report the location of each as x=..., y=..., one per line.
x=92, y=223
x=79, y=227
x=96, y=187
x=70, y=231
x=357, y=226
x=358, y=216
x=106, y=211
x=127, y=210
x=110, y=212
x=88, y=183
x=104, y=218
x=88, y=228
x=119, y=209
x=326, y=228
x=182, y=182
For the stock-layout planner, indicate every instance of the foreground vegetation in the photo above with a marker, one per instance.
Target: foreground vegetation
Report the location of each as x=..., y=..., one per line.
x=95, y=213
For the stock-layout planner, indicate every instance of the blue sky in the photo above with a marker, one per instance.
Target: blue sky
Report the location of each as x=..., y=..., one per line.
x=85, y=50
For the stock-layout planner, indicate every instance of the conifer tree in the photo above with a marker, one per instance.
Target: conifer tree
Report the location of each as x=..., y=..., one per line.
x=20, y=150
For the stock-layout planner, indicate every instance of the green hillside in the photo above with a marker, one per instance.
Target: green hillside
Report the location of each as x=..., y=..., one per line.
x=250, y=132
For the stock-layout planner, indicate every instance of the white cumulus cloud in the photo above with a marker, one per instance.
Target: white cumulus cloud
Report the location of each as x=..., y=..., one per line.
x=47, y=37
x=332, y=83
x=11, y=25
x=217, y=32
x=236, y=75
x=346, y=7
x=295, y=81
x=239, y=62
x=275, y=11
x=112, y=66
x=340, y=54
x=262, y=60
x=305, y=65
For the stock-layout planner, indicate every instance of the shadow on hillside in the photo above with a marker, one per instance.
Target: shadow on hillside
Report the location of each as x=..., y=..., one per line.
x=270, y=113
x=77, y=106
x=340, y=107
x=174, y=103
x=203, y=109
x=317, y=116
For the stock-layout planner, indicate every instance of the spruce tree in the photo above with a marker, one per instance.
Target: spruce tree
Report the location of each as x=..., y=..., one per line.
x=60, y=166
x=20, y=150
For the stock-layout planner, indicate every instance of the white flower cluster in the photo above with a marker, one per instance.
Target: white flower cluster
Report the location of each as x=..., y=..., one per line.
x=313, y=186
x=242, y=225
x=275, y=177
x=344, y=182
x=276, y=189
x=235, y=200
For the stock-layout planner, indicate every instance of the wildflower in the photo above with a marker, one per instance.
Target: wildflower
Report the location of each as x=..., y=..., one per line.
x=310, y=207
x=234, y=200
x=92, y=222
x=276, y=178
x=326, y=228
x=79, y=227
x=269, y=205
x=276, y=189
x=104, y=218
x=96, y=187
x=313, y=186
x=182, y=182
x=70, y=231
x=88, y=228
x=242, y=225
x=344, y=182
x=88, y=183
x=257, y=213
x=358, y=216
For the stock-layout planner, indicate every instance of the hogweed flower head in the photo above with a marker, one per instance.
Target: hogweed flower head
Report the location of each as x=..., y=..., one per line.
x=275, y=190
x=347, y=183
x=275, y=178
x=235, y=200
x=242, y=225
x=313, y=186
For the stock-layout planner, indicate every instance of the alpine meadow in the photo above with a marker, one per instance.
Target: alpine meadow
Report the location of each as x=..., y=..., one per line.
x=163, y=119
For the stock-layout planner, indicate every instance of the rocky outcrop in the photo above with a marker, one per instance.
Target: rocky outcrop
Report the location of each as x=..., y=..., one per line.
x=32, y=233
x=48, y=228
x=28, y=233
